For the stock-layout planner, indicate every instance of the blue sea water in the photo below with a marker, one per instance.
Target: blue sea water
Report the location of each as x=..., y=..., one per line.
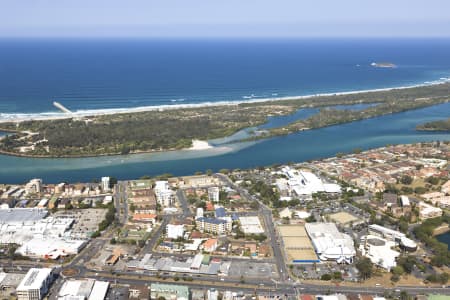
x=85, y=74
x=104, y=74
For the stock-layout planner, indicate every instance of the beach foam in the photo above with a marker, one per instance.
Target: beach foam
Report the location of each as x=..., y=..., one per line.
x=19, y=117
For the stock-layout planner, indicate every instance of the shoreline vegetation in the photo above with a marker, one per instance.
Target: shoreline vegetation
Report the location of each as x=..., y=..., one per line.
x=441, y=125
x=188, y=128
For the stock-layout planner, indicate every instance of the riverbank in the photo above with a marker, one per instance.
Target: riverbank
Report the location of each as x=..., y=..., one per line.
x=444, y=228
x=165, y=130
x=441, y=125
x=302, y=146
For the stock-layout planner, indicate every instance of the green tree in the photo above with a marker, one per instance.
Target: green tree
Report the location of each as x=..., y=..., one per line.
x=406, y=179
x=365, y=268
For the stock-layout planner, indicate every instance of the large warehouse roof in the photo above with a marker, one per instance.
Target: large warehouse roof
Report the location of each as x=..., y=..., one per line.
x=22, y=215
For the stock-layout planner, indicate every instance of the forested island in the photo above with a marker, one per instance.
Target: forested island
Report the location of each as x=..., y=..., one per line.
x=172, y=129
x=441, y=125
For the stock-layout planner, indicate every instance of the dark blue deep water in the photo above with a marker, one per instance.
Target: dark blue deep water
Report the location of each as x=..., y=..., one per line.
x=444, y=238
x=105, y=74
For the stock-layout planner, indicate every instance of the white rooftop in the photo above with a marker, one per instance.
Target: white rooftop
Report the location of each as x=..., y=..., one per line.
x=34, y=279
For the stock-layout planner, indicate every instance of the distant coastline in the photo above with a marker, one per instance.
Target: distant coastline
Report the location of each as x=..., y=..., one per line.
x=20, y=117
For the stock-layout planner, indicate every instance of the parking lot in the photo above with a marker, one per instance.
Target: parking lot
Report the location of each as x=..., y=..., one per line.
x=86, y=220
x=253, y=270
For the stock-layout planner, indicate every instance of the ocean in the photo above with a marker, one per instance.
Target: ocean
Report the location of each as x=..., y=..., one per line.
x=124, y=73
x=90, y=74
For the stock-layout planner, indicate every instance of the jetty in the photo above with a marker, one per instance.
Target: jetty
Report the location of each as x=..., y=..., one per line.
x=62, y=107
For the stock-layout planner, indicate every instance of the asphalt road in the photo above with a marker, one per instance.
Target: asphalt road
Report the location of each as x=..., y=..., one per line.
x=266, y=212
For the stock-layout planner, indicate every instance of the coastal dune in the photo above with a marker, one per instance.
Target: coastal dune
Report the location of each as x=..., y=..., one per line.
x=20, y=117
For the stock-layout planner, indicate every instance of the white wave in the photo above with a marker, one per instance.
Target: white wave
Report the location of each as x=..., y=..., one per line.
x=18, y=117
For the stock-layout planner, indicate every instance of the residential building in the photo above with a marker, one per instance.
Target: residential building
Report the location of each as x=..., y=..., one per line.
x=213, y=225
x=34, y=186
x=106, y=181
x=213, y=194
x=427, y=211
x=210, y=245
x=164, y=195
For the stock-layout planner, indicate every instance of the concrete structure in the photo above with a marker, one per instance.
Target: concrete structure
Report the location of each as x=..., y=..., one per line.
x=379, y=251
x=105, y=184
x=164, y=195
x=213, y=194
x=404, y=200
x=251, y=225
x=175, y=231
x=8, y=283
x=212, y=294
x=393, y=235
x=35, y=284
x=89, y=289
x=50, y=247
x=329, y=243
x=213, y=225
x=200, y=212
x=38, y=235
x=302, y=183
x=169, y=291
x=427, y=211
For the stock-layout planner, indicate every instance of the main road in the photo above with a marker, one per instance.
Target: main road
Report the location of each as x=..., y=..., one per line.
x=266, y=212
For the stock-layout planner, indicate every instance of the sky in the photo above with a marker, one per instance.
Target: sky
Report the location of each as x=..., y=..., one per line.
x=225, y=18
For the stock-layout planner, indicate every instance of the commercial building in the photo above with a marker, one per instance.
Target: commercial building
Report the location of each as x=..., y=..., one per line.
x=169, y=291
x=251, y=225
x=35, y=284
x=303, y=183
x=394, y=236
x=379, y=251
x=329, y=243
x=82, y=289
x=38, y=235
x=50, y=247
x=175, y=231
x=164, y=195
x=213, y=225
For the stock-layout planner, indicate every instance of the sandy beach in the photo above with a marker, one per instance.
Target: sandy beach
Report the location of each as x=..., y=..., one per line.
x=200, y=145
x=20, y=117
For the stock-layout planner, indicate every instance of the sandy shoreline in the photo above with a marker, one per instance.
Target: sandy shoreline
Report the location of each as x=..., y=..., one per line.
x=20, y=117
x=200, y=145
